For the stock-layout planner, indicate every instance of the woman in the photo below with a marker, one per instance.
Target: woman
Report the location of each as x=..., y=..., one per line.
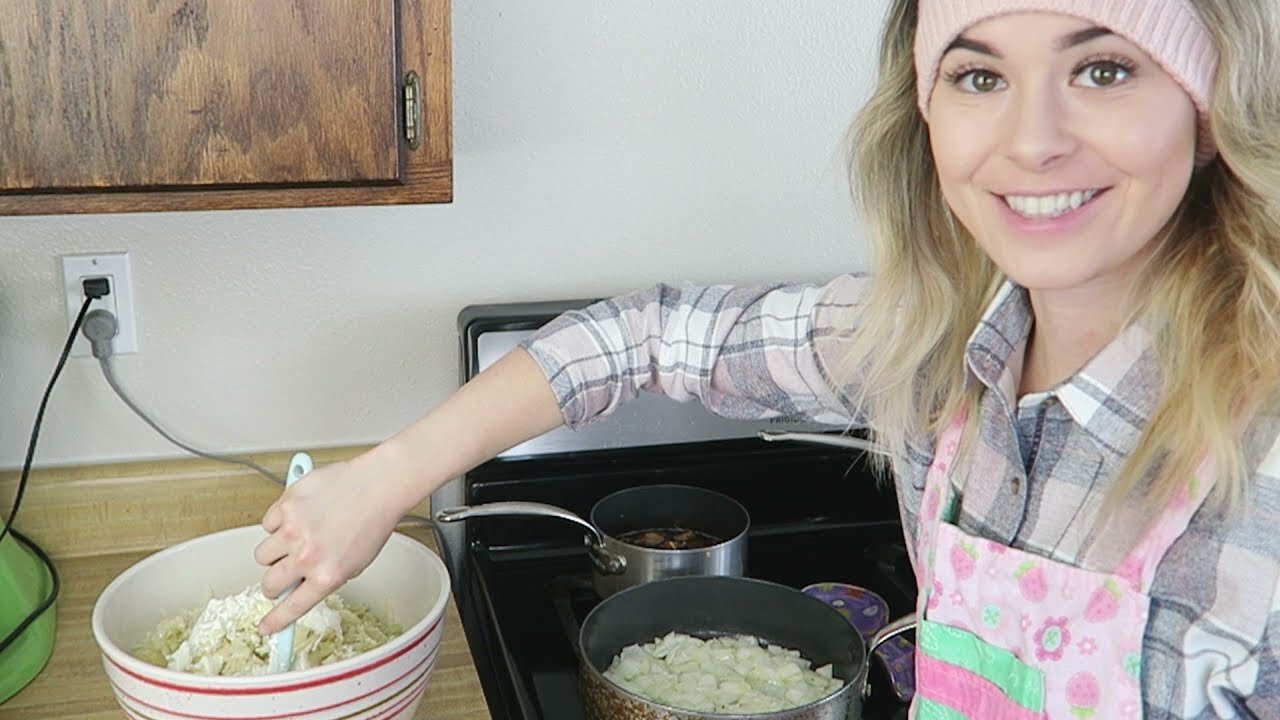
x=1075, y=209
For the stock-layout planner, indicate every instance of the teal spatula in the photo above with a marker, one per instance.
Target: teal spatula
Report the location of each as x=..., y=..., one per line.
x=281, y=658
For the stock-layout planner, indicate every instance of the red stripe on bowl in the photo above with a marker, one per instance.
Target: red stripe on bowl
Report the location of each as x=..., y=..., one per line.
x=360, y=670
x=399, y=708
x=428, y=661
x=127, y=702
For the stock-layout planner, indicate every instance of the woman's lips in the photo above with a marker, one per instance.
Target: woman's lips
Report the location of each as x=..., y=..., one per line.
x=1046, y=206
x=1049, y=212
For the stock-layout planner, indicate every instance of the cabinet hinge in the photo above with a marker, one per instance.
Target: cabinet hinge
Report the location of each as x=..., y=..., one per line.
x=412, y=95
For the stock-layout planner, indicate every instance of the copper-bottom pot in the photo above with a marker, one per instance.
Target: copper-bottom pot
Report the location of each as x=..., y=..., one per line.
x=710, y=606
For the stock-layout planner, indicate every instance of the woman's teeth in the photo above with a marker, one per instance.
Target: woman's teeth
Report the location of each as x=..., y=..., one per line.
x=1043, y=207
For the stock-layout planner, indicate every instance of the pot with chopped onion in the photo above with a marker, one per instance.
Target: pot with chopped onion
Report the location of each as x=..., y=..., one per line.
x=722, y=648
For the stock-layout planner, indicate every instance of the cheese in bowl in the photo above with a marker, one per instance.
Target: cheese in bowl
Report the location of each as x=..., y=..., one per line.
x=222, y=638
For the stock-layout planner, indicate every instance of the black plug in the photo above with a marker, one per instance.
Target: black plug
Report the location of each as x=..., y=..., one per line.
x=99, y=325
x=96, y=287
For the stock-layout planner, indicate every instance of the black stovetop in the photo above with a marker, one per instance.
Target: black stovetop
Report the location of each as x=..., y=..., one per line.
x=817, y=516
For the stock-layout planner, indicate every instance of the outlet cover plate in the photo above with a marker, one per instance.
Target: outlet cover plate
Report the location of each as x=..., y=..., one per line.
x=115, y=267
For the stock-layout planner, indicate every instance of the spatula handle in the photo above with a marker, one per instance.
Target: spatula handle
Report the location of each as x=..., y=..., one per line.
x=281, y=658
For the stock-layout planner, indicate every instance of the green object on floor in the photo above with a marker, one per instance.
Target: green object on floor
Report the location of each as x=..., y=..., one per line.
x=25, y=582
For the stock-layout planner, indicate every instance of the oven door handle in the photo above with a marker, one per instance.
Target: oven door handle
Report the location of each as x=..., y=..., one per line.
x=843, y=441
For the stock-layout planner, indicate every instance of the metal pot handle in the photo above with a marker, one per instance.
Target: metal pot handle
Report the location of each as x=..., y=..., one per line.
x=842, y=441
x=607, y=562
x=883, y=635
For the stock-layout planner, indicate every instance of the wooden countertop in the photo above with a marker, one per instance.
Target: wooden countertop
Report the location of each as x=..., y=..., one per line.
x=72, y=685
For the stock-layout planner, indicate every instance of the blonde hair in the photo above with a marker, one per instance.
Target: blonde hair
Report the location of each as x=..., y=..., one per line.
x=1211, y=291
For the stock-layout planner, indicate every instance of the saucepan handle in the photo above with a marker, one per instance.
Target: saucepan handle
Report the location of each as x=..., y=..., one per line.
x=883, y=635
x=608, y=562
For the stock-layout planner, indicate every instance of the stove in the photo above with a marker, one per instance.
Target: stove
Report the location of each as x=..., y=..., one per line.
x=523, y=584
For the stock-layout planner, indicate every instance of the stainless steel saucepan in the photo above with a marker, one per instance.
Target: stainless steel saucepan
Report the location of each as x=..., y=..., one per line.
x=646, y=533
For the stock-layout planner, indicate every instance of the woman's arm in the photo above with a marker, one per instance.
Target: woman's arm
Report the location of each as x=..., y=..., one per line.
x=743, y=352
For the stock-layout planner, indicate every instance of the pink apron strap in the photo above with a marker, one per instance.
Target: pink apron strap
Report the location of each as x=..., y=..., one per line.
x=1139, y=566
x=937, y=495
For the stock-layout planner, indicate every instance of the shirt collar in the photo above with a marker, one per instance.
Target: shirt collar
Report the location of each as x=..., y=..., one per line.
x=1111, y=398
x=994, y=351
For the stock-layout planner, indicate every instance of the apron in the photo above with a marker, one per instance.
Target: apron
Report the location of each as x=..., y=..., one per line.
x=1009, y=635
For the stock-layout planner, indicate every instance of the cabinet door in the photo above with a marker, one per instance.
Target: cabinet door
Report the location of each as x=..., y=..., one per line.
x=121, y=105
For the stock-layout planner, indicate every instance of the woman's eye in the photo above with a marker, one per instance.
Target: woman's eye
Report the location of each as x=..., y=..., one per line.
x=980, y=81
x=1102, y=74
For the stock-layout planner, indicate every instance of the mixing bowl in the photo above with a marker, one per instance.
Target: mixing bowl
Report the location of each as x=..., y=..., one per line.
x=407, y=584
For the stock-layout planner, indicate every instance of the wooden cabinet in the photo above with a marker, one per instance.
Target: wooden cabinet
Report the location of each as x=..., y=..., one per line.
x=143, y=105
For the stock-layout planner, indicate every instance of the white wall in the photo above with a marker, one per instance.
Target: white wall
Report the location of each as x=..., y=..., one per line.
x=599, y=146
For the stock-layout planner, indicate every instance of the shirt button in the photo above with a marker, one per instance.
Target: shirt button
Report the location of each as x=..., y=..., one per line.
x=1016, y=483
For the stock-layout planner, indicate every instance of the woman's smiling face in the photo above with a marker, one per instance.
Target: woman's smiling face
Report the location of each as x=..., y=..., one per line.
x=1062, y=147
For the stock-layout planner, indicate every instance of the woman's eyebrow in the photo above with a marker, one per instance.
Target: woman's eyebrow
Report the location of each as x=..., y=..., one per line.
x=1078, y=37
x=964, y=43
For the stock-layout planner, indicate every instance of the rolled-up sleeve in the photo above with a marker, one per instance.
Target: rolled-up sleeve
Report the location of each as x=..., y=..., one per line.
x=744, y=352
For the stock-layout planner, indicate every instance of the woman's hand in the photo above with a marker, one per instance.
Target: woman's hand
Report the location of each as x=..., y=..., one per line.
x=325, y=529
x=328, y=526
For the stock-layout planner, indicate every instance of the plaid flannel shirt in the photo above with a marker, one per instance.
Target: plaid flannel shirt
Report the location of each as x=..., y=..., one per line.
x=1040, y=467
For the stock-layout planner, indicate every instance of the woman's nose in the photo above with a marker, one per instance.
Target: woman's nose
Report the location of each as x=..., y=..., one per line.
x=1037, y=128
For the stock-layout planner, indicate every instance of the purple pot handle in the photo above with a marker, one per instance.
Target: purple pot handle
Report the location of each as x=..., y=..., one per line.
x=868, y=613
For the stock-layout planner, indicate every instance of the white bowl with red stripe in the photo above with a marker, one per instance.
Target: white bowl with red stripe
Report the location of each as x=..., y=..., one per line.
x=407, y=583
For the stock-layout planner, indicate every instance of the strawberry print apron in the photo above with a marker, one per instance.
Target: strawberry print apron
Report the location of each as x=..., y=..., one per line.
x=1009, y=635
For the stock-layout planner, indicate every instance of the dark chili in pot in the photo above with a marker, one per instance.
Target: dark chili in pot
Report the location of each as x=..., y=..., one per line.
x=669, y=539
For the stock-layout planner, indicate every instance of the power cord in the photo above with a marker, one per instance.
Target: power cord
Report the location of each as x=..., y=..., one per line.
x=93, y=289
x=100, y=326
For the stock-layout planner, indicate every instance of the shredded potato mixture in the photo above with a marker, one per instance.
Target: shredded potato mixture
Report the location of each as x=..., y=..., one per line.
x=733, y=674
x=223, y=639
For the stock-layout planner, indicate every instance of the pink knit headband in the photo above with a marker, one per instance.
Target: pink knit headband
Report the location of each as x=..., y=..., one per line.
x=1170, y=31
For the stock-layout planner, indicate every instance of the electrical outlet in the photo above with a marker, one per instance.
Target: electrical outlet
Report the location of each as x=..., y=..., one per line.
x=114, y=267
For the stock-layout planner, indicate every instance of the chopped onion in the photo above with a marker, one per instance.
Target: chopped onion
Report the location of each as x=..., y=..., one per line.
x=734, y=674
